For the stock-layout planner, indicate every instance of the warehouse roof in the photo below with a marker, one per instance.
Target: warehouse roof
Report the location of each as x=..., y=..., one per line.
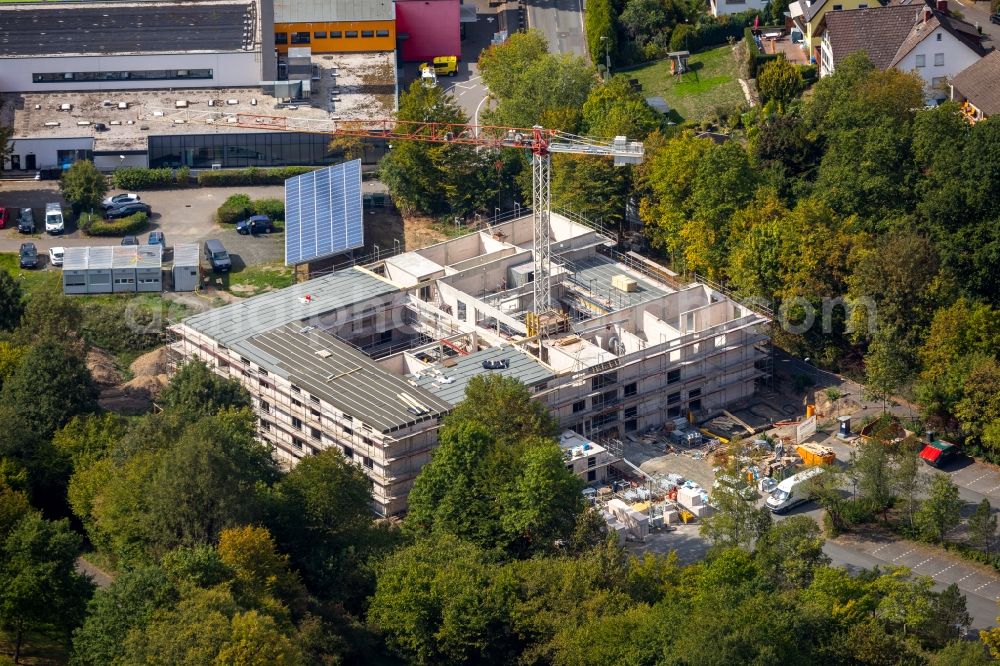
x=338, y=374
x=238, y=321
x=145, y=27
x=448, y=380
x=300, y=11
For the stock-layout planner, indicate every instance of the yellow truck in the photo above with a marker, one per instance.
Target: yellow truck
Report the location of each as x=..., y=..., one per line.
x=442, y=65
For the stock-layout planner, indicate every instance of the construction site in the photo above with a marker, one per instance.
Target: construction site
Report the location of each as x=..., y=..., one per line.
x=369, y=359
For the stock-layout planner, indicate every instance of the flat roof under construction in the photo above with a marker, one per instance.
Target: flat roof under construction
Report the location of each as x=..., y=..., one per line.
x=238, y=321
x=448, y=380
x=339, y=374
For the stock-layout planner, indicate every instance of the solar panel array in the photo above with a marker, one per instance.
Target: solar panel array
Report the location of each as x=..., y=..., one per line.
x=323, y=214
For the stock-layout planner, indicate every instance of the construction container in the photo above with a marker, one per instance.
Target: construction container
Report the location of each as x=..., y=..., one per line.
x=99, y=269
x=123, y=261
x=186, y=271
x=74, y=272
x=815, y=454
x=622, y=282
x=149, y=268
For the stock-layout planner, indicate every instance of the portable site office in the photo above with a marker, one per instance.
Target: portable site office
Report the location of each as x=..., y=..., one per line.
x=186, y=273
x=107, y=269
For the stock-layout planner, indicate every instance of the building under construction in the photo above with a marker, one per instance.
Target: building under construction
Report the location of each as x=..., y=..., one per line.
x=370, y=358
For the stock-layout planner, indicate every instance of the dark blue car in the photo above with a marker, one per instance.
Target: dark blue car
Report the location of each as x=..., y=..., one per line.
x=255, y=225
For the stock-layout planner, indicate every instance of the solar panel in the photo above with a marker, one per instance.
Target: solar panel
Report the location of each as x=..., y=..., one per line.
x=323, y=215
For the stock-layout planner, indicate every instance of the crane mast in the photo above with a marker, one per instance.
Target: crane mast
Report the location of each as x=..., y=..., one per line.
x=542, y=143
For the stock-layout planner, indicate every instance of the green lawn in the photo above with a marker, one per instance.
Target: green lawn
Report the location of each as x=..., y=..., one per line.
x=31, y=280
x=711, y=82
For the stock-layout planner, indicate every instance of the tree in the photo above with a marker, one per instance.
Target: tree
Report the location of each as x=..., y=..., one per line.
x=885, y=368
x=941, y=511
x=259, y=570
x=51, y=386
x=907, y=480
x=128, y=603
x=791, y=551
x=962, y=653
x=780, y=81
x=83, y=186
x=949, y=618
x=591, y=187
x=435, y=178
x=436, y=602
x=504, y=408
x=207, y=481
x=980, y=403
x=500, y=64
x=871, y=464
x=39, y=586
x=11, y=303
x=982, y=526
x=616, y=109
x=320, y=514
x=197, y=391
x=51, y=316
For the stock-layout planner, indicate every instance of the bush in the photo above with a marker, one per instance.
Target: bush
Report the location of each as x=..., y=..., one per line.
x=235, y=208
x=810, y=74
x=273, y=208
x=132, y=225
x=119, y=327
x=857, y=511
x=251, y=176
x=138, y=178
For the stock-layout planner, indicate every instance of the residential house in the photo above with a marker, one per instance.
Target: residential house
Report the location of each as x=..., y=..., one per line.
x=808, y=16
x=910, y=37
x=978, y=88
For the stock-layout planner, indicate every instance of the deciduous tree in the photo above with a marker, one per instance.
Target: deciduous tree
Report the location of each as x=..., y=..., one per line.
x=941, y=511
x=83, y=186
x=197, y=391
x=11, y=302
x=780, y=81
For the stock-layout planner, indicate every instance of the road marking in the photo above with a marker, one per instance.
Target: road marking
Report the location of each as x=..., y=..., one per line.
x=475, y=120
x=874, y=552
x=899, y=557
x=989, y=582
x=922, y=563
x=945, y=569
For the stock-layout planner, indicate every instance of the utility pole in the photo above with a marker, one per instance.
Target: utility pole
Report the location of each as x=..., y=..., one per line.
x=607, y=57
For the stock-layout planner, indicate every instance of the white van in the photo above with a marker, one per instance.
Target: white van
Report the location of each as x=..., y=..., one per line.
x=792, y=491
x=54, y=219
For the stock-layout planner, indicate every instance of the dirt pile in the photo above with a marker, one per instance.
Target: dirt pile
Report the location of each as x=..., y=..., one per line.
x=137, y=394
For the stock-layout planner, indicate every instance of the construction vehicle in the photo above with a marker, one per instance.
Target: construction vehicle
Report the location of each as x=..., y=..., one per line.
x=540, y=141
x=441, y=65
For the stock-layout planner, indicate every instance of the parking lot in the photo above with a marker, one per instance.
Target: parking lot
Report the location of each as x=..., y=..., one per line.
x=184, y=216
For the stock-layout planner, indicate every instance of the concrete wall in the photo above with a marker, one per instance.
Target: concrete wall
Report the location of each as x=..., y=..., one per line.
x=45, y=150
x=228, y=70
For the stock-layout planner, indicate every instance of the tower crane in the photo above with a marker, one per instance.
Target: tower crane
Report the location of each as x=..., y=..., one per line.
x=540, y=141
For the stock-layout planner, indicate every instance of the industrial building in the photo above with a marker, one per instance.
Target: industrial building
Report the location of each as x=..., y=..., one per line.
x=112, y=269
x=369, y=359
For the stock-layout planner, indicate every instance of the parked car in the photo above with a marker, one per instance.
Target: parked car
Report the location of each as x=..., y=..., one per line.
x=4, y=217
x=995, y=18
x=255, y=225
x=26, y=222
x=120, y=199
x=29, y=255
x=126, y=209
x=56, y=256
x=54, y=223
x=130, y=240
x=157, y=238
x=217, y=256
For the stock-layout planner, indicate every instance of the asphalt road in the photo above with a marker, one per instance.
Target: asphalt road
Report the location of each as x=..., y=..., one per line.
x=978, y=13
x=561, y=21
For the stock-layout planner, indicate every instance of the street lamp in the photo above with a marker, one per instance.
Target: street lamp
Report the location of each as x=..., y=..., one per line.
x=607, y=56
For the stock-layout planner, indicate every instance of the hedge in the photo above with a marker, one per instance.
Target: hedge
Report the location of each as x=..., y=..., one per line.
x=239, y=207
x=810, y=74
x=93, y=225
x=757, y=58
x=138, y=178
x=251, y=176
